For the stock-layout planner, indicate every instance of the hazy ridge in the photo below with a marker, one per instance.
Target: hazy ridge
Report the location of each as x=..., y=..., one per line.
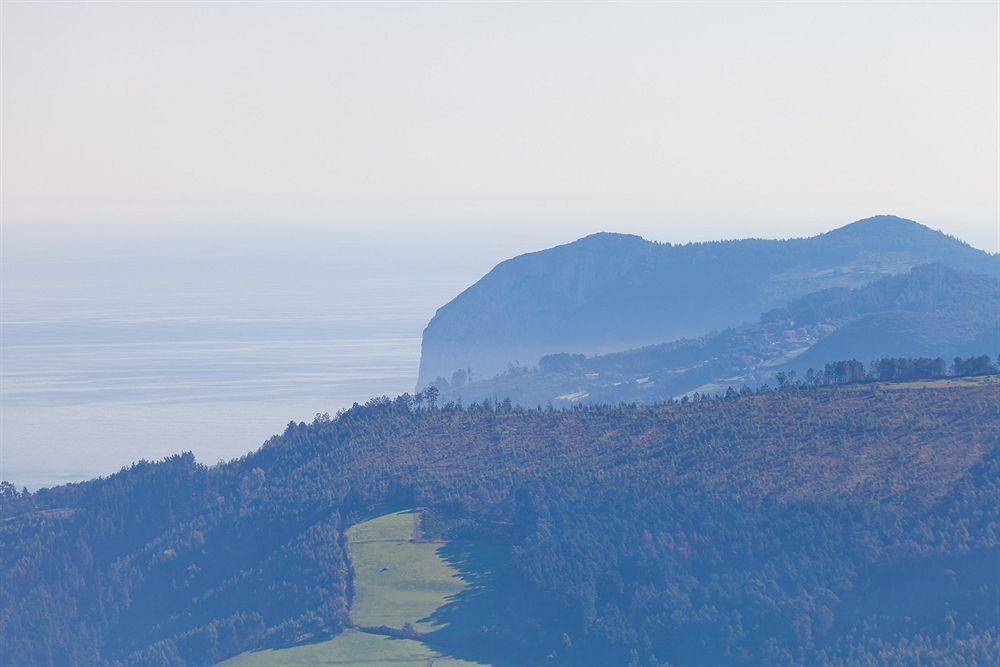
x=610, y=292
x=930, y=310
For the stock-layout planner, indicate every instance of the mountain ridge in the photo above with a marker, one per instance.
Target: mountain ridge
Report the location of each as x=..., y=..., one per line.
x=614, y=529
x=931, y=310
x=610, y=291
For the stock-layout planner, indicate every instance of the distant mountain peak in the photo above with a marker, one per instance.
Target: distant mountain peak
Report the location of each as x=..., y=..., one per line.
x=609, y=239
x=878, y=225
x=883, y=219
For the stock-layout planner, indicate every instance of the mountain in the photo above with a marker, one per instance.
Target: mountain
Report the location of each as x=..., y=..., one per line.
x=609, y=292
x=930, y=310
x=829, y=525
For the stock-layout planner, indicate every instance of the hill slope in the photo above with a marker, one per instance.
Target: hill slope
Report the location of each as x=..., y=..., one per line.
x=928, y=311
x=845, y=525
x=610, y=292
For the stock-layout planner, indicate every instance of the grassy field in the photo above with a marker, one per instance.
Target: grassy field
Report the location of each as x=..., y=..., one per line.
x=784, y=359
x=359, y=649
x=398, y=580
x=974, y=381
x=703, y=389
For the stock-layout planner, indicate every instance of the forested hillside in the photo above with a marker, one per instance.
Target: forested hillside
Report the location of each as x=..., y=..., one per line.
x=852, y=524
x=611, y=292
x=927, y=311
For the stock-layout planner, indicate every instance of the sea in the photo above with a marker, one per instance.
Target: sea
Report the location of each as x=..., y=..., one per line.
x=108, y=359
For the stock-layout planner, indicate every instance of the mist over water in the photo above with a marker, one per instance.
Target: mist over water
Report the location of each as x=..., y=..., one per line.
x=108, y=359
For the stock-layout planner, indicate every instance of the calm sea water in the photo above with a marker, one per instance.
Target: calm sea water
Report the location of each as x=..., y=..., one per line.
x=104, y=364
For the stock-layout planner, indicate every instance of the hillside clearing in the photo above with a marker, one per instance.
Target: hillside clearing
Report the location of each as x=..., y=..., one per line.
x=944, y=383
x=398, y=581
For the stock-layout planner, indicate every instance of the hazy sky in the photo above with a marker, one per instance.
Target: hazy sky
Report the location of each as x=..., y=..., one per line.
x=678, y=121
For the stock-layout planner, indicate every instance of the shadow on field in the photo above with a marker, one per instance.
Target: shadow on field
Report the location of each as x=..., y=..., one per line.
x=469, y=617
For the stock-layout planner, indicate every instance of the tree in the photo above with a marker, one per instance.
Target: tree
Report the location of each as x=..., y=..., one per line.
x=981, y=365
x=843, y=372
x=432, y=394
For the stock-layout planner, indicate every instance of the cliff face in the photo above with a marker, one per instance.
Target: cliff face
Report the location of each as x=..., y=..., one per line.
x=609, y=292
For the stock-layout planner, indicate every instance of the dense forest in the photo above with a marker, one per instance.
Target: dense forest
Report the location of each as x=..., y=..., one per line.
x=845, y=524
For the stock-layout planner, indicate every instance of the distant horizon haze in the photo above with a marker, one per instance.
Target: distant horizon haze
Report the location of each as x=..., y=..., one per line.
x=676, y=121
x=420, y=238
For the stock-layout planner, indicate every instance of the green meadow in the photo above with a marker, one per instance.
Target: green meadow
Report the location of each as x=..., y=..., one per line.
x=360, y=649
x=399, y=580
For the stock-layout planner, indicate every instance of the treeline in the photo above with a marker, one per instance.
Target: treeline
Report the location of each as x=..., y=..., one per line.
x=892, y=369
x=777, y=527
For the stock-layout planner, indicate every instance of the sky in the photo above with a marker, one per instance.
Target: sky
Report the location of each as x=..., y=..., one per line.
x=143, y=123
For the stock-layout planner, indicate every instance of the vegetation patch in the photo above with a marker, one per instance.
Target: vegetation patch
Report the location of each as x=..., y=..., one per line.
x=944, y=383
x=349, y=648
x=709, y=388
x=398, y=580
x=785, y=358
